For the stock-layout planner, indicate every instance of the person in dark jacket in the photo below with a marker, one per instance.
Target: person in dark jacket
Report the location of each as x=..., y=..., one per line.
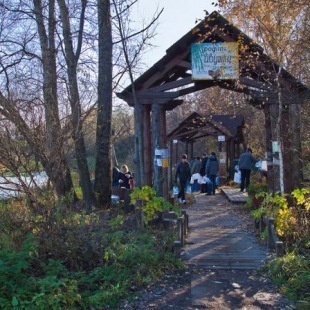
x=203, y=186
x=195, y=171
x=183, y=173
x=124, y=177
x=115, y=174
x=246, y=162
x=212, y=169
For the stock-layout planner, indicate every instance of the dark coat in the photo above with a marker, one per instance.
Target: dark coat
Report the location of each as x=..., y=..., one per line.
x=183, y=172
x=203, y=166
x=125, y=177
x=212, y=166
x=246, y=161
x=196, y=166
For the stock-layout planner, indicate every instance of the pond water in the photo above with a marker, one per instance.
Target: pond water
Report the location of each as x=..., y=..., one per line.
x=10, y=186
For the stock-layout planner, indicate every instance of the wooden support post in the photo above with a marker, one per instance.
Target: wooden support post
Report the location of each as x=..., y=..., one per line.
x=181, y=230
x=296, y=144
x=177, y=248
x=268, y=155
x=138, y=160
x=286, y=140
x=273, y=169
x=147, y=146
x=164, y=145
x=185, y=216
x=279, y=248
x=156, y=146
x=270, y=234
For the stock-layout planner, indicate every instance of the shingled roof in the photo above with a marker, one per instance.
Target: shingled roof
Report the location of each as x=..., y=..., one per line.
x=197, y=126
x=170, y=77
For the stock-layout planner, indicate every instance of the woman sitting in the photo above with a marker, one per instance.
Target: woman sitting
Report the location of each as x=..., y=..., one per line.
x=124, y=177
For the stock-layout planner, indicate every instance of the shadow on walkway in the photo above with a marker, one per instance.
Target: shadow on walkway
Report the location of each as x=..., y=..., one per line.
x=225, y=257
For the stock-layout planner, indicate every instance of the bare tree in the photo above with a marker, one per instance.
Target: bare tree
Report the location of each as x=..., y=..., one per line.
x=103, y=161
x=74, y=98
x=50, y=150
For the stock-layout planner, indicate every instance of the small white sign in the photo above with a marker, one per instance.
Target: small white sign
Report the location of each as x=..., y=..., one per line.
x=221, y=138
x=157, y=152
x=164, y=153
x=275, y=146
x=159, y=162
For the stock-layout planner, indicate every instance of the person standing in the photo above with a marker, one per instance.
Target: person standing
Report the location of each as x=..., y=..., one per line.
x=203, y=185
x=212, y=169
x=195, y=171
x=115, y=174
x=183, y=173
x=246, y=162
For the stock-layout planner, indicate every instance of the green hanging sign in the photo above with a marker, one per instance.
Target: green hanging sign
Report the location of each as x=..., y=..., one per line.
x=212, y=61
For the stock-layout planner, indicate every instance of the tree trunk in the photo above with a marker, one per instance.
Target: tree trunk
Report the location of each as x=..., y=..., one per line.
x=296, y=145
x=54, y=162
x=103, y=173
x=77, y=134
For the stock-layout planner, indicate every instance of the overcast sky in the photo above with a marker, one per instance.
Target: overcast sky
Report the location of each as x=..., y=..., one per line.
x=178, y=17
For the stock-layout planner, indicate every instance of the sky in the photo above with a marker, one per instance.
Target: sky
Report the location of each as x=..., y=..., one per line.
x=178, y=17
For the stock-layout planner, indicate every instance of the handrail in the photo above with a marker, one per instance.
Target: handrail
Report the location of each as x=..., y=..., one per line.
x=273, y=241
x=182, y=231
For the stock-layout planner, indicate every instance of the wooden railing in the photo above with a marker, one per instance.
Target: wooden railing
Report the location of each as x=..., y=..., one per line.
x=273, y=241
x=182, y=231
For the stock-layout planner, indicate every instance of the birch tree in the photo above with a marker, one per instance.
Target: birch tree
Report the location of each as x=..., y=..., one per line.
x=280, y=27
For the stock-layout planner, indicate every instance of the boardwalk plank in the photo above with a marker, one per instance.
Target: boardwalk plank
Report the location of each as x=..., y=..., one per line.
x=217, y=241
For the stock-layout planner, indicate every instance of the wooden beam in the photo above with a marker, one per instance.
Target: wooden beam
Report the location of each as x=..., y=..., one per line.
x=257, y=84
x=168, y=66
x=170, y=85
x=184, y=64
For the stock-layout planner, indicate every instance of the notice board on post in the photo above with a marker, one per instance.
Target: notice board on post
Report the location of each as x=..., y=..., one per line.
x=222, y=165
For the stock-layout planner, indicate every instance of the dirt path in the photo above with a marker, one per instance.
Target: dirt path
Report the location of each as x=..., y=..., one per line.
x=202, y=287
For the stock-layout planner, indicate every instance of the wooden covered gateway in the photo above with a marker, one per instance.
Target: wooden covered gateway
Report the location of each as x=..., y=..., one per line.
x=162, y=86
x=226, y=129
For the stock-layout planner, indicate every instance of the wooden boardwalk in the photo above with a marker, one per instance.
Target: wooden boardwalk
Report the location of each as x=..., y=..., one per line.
x=218, y=238
x=234, y=195
x=220, y=244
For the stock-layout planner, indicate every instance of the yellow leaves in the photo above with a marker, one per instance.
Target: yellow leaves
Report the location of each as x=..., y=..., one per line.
x=288, y=211
x=195, y=30
x=299, y=195
x=148, y=202
x=284, y=221
x=144, y=194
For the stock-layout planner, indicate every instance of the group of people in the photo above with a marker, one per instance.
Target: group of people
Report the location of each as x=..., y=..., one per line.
x=204, y=173
x=122, y=177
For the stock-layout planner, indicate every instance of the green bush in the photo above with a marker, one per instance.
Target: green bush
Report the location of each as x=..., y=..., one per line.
x=59, y=257
x=292, y=274
x=151, y=205
x=291, y=213
x=255, y=188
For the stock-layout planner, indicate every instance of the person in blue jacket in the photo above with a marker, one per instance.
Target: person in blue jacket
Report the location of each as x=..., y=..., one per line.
x=246, y=162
